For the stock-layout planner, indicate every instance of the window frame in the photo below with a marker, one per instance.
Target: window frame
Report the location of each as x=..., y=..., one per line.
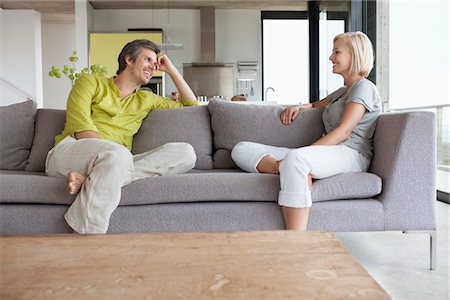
x=360, y=17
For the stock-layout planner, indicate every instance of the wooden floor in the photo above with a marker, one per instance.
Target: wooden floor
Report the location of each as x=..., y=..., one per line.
x=240, y=265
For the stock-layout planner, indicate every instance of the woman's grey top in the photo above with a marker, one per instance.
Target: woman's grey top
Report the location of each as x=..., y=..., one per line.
x=363, y=92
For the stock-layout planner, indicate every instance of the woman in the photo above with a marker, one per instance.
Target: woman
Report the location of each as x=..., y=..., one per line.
x=349, y=117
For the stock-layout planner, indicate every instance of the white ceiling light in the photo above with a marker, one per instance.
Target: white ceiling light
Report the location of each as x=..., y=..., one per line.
x=168, y=45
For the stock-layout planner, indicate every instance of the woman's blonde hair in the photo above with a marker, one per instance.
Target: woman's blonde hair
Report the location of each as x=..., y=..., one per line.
x=361, y=50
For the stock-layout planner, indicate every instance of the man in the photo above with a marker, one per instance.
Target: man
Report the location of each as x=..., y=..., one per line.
x=103, y=114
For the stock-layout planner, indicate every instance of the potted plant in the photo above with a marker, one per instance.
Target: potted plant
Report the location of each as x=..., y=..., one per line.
x=71, y=71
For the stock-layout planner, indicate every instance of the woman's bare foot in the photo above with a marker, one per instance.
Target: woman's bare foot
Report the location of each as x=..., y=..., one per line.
x=74, y=182
x=268, y=165
x=310, y=181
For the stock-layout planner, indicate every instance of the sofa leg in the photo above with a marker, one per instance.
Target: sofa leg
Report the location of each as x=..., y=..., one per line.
x=433, y=244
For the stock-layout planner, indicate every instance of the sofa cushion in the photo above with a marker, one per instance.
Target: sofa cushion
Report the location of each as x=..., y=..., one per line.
x=235, y=122
x=198, y=186
x=49, y=123
x=33, y=188
x=346, y=186
x=187, y=124
x=16, y=134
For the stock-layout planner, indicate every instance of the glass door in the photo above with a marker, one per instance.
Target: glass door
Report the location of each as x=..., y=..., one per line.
x=285, y=39
x=330, y=25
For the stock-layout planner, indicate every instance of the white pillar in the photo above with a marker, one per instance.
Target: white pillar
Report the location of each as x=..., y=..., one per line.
x=382, y=52
x=84, y=16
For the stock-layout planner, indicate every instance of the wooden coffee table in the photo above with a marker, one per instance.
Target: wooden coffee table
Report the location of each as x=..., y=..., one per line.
x=238, y=265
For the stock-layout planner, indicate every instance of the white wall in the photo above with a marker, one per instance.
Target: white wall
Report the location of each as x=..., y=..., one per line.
x=238, y=38
x=238, y=34
x=182, y=25
x=84, y=20
x=21, y=55
x=58, y=42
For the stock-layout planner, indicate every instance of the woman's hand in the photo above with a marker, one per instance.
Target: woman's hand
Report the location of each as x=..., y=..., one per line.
x=289, y=114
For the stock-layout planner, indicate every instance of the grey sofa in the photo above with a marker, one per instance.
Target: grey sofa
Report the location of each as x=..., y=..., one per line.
x=397, y=194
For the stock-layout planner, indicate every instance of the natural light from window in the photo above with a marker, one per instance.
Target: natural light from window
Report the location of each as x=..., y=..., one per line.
x=419, y=53
x=328, y=29
x=286, y=61
x=419, y=68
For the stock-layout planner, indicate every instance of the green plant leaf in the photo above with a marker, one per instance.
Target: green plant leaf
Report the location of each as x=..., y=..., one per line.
x=72, y=73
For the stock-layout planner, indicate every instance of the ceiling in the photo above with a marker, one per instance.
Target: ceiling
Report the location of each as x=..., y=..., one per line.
x=68, y=6
x=50, y=7
x=64, y=10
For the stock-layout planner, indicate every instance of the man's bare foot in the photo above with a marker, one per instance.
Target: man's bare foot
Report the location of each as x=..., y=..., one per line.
x=74, y=182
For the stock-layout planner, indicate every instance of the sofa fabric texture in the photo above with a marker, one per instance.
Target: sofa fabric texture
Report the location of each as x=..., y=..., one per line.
x=398, y=192
x=405, y=159
x=240, y=186
x=16, y=134
x=49, y=123
x=190, y=125
x=232, y=123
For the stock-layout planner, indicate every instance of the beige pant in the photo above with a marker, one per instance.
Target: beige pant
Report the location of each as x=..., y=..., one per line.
x=109, y=166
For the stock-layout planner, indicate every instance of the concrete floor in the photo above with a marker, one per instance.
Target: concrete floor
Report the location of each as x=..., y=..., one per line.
x=400, y=262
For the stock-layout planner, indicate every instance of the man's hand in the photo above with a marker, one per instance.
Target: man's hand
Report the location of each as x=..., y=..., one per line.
x=87, y=134
x=165, y=64
x=289, y=114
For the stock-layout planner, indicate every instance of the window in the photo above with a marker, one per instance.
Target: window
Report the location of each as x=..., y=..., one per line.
x=285, y=57
x=418, y=53
x=328, y=29
x=419, y=68
x=294, y=71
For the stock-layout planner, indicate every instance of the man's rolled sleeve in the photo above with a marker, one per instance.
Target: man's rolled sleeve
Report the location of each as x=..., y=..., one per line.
x=165, y=103
x=189, y=102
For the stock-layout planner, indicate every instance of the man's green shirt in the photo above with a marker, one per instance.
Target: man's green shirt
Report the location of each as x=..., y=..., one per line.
x=95, y=104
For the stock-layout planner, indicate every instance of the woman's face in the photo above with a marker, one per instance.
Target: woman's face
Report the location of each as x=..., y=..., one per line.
x=341, y=57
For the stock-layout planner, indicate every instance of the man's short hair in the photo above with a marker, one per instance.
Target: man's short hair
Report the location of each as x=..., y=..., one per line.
x=133, y=49
x=361, y=50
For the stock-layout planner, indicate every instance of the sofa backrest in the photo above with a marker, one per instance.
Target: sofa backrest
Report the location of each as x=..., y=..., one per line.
x=235, y=122
x=187, y=124
x=48, y=124
x=16, y=134
x=212, y=130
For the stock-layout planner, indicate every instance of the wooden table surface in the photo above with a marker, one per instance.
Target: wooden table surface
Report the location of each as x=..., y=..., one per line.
x=233, y=265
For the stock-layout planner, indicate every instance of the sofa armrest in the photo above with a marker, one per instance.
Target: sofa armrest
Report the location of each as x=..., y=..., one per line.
x=405, y=159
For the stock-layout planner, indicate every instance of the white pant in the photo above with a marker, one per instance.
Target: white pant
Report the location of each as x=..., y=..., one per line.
x=109, y=166
x=297, y=164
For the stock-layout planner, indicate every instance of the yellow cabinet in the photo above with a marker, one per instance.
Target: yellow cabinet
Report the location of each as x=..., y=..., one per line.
x=104, y=48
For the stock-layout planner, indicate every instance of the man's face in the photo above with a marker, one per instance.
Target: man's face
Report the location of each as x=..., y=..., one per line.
x=143, y=68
